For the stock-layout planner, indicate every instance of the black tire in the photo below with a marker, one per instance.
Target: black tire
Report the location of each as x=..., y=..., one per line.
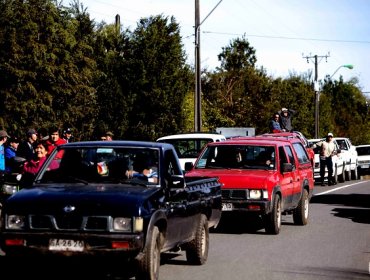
x=347, y=175
x=148, y=266
x=273, y=219
x=300, y=214
x=354, y=174
x=197, y=249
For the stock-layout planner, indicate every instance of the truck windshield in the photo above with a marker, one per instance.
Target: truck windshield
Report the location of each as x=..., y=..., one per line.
x=188, y=148
x=97, y=164
x=237, y=156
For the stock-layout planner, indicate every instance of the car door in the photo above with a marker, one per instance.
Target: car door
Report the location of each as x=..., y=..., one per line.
x=287, y=180
x=180, y=209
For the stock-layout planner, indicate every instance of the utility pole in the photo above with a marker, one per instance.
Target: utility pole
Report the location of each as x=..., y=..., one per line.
x=316, y=88
x=197, y=97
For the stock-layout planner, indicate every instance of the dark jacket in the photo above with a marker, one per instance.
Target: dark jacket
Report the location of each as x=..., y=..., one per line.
x=286, y=121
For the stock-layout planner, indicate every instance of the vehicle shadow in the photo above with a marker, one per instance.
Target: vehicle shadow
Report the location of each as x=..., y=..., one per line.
x=46, y=268
x=239, y=223
x=359, y=203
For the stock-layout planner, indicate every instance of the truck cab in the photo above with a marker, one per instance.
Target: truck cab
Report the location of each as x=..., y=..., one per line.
x=261, y=175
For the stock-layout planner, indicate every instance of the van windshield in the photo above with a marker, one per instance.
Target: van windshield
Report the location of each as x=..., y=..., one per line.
x=188, y=148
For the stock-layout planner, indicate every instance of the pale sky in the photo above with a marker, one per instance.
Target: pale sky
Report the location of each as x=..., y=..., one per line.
x=283, y=32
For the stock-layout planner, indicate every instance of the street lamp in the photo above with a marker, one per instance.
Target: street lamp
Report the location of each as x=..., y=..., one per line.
x=349, y=66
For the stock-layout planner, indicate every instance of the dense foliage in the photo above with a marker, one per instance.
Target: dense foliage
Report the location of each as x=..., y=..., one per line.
x=58, y=67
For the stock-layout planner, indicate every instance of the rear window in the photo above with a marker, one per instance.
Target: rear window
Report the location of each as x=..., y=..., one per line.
x=363, y=151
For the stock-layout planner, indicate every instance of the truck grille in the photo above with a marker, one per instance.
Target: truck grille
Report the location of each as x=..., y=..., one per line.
x=70, y=223
x=234, y=194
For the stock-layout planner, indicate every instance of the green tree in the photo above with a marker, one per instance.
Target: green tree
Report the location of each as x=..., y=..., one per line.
x=343, y=111
x=159, y=77
x=112, y=49
x=46, y=66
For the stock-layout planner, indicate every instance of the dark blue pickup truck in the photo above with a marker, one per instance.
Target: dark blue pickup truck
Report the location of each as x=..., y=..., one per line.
x=112, y=198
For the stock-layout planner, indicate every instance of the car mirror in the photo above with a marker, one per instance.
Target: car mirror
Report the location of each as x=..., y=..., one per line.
x=188, y=166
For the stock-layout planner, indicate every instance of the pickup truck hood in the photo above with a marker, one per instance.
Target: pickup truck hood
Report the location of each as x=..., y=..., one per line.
x=92, y=199
x=239, y=178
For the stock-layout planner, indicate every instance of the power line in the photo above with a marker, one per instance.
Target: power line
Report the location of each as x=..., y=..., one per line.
x=289, y=38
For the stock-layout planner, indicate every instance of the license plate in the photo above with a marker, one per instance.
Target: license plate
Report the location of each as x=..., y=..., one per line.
x=227, y=207
x=66, y=245
x=365, y=166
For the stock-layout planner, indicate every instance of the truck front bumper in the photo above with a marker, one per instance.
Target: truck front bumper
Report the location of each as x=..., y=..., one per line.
x=72, y=244
x=255, y=206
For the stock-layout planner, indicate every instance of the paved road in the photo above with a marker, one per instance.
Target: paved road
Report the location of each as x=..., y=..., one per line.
x=334, y=245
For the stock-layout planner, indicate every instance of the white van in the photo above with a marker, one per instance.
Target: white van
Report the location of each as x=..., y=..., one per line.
x=189, y=145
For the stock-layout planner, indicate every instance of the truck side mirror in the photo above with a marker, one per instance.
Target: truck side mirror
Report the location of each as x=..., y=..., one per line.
x=188, y=165
x=177, y=182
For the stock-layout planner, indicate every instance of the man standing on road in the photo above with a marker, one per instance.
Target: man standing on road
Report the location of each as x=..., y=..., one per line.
x=328, y=149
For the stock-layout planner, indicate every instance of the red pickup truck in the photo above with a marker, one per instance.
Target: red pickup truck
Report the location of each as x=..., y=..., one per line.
x=266, y=176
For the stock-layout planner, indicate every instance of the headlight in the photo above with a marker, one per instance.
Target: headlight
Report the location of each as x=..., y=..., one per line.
x=258, y=194
x=16, y=222
x=128, y=225
x=122, y=224
x=9, y=189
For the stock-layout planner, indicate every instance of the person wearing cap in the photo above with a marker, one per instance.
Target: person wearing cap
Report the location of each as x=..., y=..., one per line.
x=108, y=136
x=10, y=154
x=286, y=116
x=67, y=135
x=328, y=149
x=3, y=138
x=25, y=148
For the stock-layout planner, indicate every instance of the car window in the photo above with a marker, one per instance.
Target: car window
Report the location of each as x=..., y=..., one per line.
x=237, y=156
x=342, y=144
x=301, y=153
x=290, y=154
x=363, y=151
x=91, y=165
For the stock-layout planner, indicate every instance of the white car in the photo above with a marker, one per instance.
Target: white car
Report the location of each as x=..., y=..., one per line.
x=338, y=162
x=363, y=152
x=189, y=145
x=350, y=157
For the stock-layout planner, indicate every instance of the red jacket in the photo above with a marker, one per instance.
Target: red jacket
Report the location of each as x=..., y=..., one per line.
x=32, y=166
x=52, y=145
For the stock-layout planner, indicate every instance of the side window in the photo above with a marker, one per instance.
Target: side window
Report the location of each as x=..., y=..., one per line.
x=282, y=157
x=290, y=155
x=301, y=153
x=342, y=144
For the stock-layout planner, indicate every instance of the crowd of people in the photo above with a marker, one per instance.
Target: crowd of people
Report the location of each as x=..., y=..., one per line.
x=26, y=156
